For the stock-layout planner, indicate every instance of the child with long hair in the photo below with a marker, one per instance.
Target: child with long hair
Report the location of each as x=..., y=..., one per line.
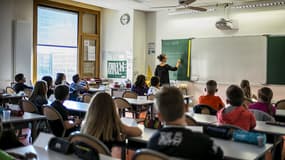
x=263, y=103
x=103, y=122
x=39, y=95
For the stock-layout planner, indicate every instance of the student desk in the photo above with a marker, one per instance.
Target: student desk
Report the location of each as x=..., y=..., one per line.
x=203, y=119
x=6, y=98
x=24, y=120
x=231, y=149
x=280, y=115
x=261, y=126
x=95, y=90
x=76, y=106
x=45, y=154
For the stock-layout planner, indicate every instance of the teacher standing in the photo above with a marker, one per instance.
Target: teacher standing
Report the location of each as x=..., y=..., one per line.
x=162, y=70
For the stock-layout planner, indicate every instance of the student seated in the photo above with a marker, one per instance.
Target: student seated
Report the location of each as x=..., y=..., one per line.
x=155, y=86
x=265, y=95
x=61, y=93
x=49, y=82
x=8, y=139
x=20, y=83
x=140, y=86
x=103, y=122
x=210, y=99
x=61, y=79
x=39, y=95
x=78, y=85
x=234, y=113
x=245, y=86
x=174, y=139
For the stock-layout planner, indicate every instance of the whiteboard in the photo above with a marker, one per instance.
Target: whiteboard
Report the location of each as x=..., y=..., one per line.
x=229, y=59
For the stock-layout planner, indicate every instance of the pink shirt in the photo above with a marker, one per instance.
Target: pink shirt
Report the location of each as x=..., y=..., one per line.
x=262, y=107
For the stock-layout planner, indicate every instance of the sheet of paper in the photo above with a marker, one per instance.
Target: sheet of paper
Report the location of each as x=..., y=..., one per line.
x=42, y=140
x=129, y=121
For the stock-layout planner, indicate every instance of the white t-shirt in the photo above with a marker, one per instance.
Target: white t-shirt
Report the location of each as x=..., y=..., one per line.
x=152, y=90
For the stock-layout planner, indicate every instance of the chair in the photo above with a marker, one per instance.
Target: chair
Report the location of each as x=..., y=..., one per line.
x=130, y=94
x=151, y=97
x=204, y=109
x=145, y=154
x=183, y=90
x=86, y=97
x=53, y=115
x=190, y=121
x=123, y=105
x=28, y=92
x=280, y=104
x=28, y=106
x=10, y=90
x=91, y=141
x=262, y=116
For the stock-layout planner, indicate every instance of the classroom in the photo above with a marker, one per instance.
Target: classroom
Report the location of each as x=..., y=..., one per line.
x=66, y=56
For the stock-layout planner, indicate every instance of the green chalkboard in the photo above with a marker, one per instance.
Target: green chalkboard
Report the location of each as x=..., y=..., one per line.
x=275, y=60
x=174, y=50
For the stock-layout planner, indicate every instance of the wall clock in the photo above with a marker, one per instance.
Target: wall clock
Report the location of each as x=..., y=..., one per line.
x=125, y=19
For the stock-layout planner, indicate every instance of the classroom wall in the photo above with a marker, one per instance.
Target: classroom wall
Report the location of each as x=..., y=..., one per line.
x=150, y=38
x=11, y=10
x=116, y=39
x=139, y=43
x=251, y=22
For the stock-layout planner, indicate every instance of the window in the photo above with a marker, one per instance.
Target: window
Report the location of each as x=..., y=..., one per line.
x=57, y=46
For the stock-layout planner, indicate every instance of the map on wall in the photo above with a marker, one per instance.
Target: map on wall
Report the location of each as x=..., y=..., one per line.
x=117, y=69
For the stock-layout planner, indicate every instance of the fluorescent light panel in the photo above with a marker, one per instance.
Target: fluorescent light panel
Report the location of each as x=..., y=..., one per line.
x=267, y=4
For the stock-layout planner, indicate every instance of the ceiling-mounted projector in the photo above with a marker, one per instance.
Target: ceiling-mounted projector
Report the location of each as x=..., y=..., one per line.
x=226, y=24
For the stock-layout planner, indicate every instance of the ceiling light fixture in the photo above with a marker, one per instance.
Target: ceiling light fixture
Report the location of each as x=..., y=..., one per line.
x=268, y=4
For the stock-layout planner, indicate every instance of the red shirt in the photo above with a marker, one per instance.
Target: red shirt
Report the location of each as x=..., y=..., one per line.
x=213, y=101
x=239, y=116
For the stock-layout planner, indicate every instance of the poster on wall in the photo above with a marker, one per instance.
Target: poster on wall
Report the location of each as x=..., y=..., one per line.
x=117, y=69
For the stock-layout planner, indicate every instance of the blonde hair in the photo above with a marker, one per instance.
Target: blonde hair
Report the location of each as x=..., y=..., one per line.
x=102, y=120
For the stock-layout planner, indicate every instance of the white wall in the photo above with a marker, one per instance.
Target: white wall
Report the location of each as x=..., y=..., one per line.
x=150, y=38
x=139, y=43
x=116, y=39
x=11, y=10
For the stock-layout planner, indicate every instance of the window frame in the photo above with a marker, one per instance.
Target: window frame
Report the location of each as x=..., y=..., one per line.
x=80, y=8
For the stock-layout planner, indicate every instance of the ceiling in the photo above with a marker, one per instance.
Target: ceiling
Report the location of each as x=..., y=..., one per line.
x=146, y=5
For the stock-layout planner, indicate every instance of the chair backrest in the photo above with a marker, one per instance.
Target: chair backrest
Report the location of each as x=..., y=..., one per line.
x=151, y=97
x=204, y=109
x=91, y=141
x=10, y=90
x=52, y=115
x=190, y=121
x=28, y=106
x=143, y=154
x=86, y=97
x=183, y=90
x=121, y=104
x=261, y=116
x=28, y=92
x=280, y=104
x=130, y=94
